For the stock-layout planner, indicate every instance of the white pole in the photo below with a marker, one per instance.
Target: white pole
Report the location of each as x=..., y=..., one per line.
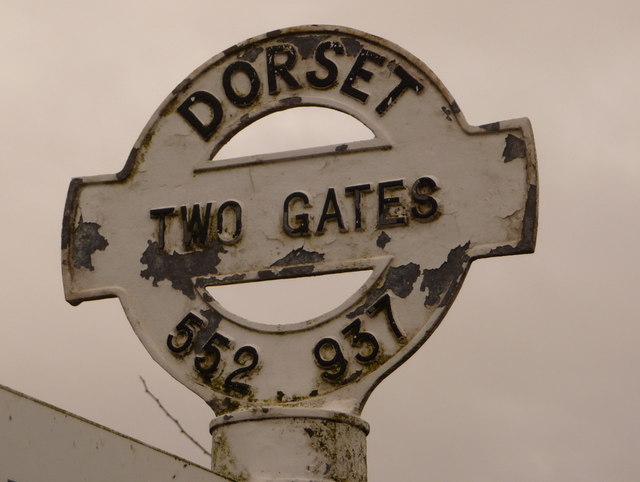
x=289, y=444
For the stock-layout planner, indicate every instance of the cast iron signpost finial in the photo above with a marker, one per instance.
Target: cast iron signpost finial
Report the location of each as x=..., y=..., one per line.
x=415, y=204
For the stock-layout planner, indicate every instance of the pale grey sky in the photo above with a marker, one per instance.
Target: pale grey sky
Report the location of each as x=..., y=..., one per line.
x=533, y=373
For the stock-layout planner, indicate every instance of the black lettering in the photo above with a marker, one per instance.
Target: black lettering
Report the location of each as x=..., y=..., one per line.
x=406, y=82
x=244, y=352
x=302, y=229
x=210, y=100
x=384, y=203
x=335, y=364
x=282, y=70
x=195, y=229
x=332, y=70
x=358, y=338
x=357, y=70
x=331, y=212
x=421, y=193
x=356, y=192
x=233, y=94
x=237, y=212
x=161, y=214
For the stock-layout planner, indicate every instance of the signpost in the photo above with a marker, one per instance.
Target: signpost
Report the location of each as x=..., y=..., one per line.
x=415, y=205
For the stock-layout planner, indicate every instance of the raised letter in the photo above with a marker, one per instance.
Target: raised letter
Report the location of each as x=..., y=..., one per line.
x=282, y=69
x=332, y=70
x=358, y=71
x=210, y=100
x=330, y=212
x=194, y=229
x=386, y=202
x=420, y=193
x=237, y=212
x=160, y=214
x=232, y=94
x=303, y=219
x=406, y=82
x=356, y=192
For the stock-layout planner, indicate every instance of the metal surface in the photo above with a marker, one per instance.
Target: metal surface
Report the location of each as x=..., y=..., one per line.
x=41, y=443
x=416, y=205
x=282, y=443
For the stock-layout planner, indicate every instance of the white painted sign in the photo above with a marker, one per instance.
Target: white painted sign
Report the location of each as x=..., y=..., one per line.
x=416, y=205
x=41, y=443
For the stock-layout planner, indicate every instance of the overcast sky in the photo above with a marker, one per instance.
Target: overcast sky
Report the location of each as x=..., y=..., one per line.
x=533, y=375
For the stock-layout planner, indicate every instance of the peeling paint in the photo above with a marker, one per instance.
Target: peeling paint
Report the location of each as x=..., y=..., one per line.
x=441, y=282
x=179, y=268
x=399, y=280
x=351, y=45
x=514, y=148
x=251, y=54
x=86, y=241
x=306, y=45
x=299, y=256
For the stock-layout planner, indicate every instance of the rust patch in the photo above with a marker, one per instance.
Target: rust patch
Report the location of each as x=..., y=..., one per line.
x=251, y=54
x=382, y=240
x=179, y=268
x=399, y=280
x=306, y=45
x=351, y=45
x=441, y=282
x=86, y=241
x=514, y=148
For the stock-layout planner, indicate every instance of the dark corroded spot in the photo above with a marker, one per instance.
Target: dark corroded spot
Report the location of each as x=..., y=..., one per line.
x=493, y=127
x=179, y=268
x=454, y=107
x=306, y=45
x=342, y=147
x=447, y=112
x=514, y=148
x=441, y=282
x=291, y=101
x=280, y=395
x=299, y=256
x=67, y=217
x=352, y=46
x=266, y=274
x=251, y=54
x=86, y=241
x=399, y=280
x=309, y=431
x=382, y=240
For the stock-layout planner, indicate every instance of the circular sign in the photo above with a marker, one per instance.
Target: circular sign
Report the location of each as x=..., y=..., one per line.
x=414, y=205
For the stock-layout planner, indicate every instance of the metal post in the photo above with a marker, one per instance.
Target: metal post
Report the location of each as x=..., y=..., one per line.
x=289, y=444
